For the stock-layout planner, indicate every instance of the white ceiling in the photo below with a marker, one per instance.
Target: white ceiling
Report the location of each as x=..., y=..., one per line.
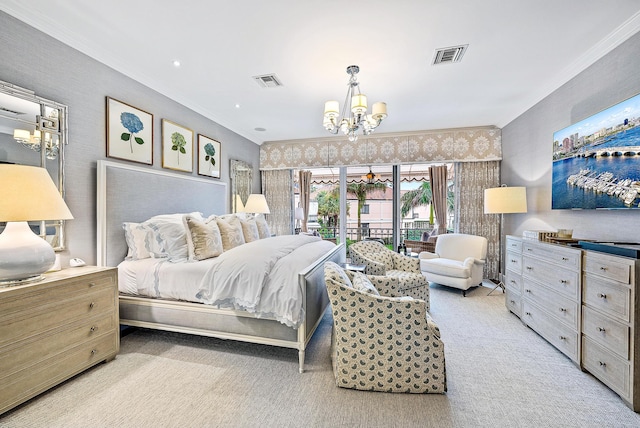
x=519, y=52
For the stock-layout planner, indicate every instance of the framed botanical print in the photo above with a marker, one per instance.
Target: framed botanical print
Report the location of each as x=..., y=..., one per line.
x=208, y=156
x=129, y=132
x=177, y=146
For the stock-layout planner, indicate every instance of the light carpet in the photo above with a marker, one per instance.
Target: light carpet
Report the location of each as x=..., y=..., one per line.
x=499, y=374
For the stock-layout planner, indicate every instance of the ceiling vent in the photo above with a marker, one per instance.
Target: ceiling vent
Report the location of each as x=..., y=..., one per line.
x=449, y=55
x=268, y=81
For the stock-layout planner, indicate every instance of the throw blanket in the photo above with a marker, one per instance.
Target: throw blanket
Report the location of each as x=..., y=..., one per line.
x=262, y=277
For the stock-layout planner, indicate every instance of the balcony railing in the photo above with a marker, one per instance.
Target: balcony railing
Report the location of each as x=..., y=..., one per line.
x=385, y=234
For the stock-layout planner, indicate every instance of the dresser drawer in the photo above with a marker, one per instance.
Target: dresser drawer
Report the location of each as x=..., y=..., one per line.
x=54, y=314
x=558, y=334
x=561, y=307
x=513, y=262
x=513, y=281
x=514, y=245
x=564, y=281
x=614, y=268
x=607, y=332
x=22, y=385
x=35, y=349
x=567, y=257
x=513, y=300
x=25, y=298
x=612, y=298
x=614, y=371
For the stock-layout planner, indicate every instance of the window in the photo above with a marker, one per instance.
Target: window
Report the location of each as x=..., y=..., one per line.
x=365, y=209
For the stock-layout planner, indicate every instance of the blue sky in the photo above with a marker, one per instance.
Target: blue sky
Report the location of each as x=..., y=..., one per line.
x=607, y=118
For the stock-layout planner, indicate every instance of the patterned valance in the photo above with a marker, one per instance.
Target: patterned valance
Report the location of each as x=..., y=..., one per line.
x=453, y=145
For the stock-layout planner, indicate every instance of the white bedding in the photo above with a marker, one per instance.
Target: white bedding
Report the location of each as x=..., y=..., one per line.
x=260, y=277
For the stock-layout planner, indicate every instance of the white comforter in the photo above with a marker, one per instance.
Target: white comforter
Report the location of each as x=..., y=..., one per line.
x=260, y=277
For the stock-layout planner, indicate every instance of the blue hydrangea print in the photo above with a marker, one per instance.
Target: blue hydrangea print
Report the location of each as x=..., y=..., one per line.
x=134, y=125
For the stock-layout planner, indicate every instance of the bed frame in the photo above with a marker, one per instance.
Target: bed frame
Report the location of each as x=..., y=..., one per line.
x=131, y=193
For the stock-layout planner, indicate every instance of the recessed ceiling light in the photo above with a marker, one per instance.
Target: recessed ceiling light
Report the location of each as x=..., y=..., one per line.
x=237, y=105
x=176, y=63
x=260, y=129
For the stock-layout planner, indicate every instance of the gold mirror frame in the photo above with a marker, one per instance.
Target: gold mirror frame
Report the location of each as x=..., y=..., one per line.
x=45, y=122
x=241, y=176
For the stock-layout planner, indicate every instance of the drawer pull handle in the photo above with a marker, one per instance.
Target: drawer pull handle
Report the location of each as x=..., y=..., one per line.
x=529, y=268
x=529, y=249
x=93, y=328
x=563, y=338
x=92, y=284
x=564, y=281
x=527, y=290
x=92, y=305
x=602, y=364
x=563, y=309
x=564, y=259
x=601, y=329
x=512, y=281
x=603, y=268
x=528, y=313
x=513, y=261
x=513, y=302
x=602, y=296
x=94, y=351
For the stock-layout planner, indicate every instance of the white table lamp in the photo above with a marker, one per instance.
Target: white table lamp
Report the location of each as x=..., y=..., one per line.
x=257, y=204
x=27, y=194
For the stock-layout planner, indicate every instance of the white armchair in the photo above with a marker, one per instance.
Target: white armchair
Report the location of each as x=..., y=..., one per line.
x=458, y=261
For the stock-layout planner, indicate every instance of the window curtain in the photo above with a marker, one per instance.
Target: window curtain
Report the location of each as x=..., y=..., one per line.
x=305, y=189
x=438, y=180
x=277, y=187
x=471, y=178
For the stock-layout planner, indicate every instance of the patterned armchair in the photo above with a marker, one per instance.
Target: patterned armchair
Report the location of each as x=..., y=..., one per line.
x=382, y=261
x=382, y=342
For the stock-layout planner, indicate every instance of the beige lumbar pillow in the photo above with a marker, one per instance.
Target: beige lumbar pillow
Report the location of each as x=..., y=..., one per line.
x=231, y=232
x=203, y=238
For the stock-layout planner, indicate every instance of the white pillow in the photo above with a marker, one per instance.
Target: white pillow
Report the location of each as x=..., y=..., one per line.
x=203, y=238
x=136, y=236
x=231, y=232
x=250, y=230
x=362, y=283
x=168, y=236
x=263, y=227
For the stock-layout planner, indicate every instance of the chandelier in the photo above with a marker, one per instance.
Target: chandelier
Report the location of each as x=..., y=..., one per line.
x=33, y=142
x=356, y=118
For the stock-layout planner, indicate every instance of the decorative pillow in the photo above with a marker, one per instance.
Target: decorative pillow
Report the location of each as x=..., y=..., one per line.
x=335, y=275
x=250, y=230
x=362, y=283
x=203, y=238
x=231, y=232
x=136, y=236
x=168, y=236
x=263, y=227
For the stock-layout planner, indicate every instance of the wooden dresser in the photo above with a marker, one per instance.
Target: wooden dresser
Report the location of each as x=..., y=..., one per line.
x=583, y=302
x=54, y=329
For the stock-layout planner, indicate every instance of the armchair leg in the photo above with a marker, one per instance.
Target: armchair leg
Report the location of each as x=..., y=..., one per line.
x=464, y=293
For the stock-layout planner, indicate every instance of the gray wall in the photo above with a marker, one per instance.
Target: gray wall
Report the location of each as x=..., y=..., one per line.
x=35, y=61
x=527, y=148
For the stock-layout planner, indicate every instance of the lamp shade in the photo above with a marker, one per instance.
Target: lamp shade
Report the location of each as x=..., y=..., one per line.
x=505, y=200
x=299, y=215
x=28, y=194
x=257, y=203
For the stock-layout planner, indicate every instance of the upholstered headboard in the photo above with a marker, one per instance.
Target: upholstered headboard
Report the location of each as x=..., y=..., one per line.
x=132, y=193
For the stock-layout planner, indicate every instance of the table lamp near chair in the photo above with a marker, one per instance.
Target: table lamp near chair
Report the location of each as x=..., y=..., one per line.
x=504, y=200
x=299, y=216
x=27, y=194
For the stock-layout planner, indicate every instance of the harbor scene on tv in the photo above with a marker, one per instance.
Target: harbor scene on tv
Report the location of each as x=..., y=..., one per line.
x=596, y=162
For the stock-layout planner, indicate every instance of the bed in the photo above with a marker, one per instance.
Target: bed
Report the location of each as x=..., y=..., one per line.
x=127, y=193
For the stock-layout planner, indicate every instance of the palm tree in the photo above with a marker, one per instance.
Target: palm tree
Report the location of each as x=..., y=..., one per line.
x=420, y=196
x=360, y=191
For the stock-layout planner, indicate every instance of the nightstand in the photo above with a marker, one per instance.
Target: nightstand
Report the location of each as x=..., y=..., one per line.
x=54, y=329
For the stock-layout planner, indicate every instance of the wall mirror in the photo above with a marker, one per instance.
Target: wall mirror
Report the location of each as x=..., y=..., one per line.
x=33, y=131
x=241, y=176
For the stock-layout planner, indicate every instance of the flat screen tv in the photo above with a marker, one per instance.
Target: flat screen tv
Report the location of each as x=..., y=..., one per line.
x=596, y=162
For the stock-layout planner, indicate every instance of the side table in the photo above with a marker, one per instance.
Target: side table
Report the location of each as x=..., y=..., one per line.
x=353, y=268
